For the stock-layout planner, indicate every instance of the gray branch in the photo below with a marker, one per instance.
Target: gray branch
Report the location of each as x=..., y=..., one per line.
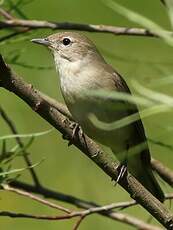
x=36, y=24
x=10, y=81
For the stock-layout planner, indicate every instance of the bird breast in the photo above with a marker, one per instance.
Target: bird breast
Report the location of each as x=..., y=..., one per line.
x=75, y=80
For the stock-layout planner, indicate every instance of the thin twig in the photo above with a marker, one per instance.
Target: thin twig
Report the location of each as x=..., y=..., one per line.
x=82, y=214
x=76, y=226
x=78, y=202
x=164, y=172
x=116, y=30
x=34, y=197
x=125, y=218
x=6, y=14
x=13, y=34
x=161, y=144
x=17, y=31
x=20, y=143
x=48, y=193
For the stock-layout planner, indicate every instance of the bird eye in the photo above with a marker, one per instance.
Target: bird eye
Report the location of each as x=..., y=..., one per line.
x=66, y=41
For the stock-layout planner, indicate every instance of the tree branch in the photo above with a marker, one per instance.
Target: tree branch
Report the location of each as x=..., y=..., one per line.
x=164, y=172
x=33, y=197
x=48, y=193
x=17, y=31
x=10, y=81
x=6, y=14
x=105, y=210
x=121, y=217
x=36, y=24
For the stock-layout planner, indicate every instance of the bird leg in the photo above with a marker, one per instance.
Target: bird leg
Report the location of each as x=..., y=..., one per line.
x=122, y=170
x=76, y=129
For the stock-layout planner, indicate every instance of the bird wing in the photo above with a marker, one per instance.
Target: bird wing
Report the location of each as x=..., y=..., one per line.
x=139, y=129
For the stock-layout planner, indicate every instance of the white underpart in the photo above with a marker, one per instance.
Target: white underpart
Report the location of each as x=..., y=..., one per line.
x=69, y=74
x=74, y=76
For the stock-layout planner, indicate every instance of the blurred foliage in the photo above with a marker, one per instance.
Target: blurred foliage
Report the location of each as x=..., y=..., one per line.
x=147, y=60
x=7, y=156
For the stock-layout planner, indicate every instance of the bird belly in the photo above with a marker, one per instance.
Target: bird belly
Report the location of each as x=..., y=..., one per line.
x=81, y=105
x=116, y=139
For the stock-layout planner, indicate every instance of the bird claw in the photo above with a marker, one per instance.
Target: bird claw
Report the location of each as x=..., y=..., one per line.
x=76, y=129
x=122, y=170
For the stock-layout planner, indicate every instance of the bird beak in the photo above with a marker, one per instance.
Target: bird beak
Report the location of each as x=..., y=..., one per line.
x=41, y=41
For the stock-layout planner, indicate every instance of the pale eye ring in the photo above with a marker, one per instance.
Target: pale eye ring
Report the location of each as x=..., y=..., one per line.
x=66, y=41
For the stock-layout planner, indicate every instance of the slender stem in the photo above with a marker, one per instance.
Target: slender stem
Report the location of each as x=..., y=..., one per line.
x=34, y=197
x=164, y=172
x=36, y=24
x=12, y=127
x=10, y=81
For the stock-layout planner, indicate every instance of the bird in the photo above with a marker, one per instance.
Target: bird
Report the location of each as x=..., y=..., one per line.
x=82, y=69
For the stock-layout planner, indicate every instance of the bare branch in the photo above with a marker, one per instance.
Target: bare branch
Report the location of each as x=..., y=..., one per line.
x=6, y=14
x=125, y=218
x=82, y=214
x=34, y=197
x=164, y=172
x=17, y=31
x=78, y=202
x=76, y=226
x=13, y=34
x=36, y=24
x=11, y=82
x=64, y=197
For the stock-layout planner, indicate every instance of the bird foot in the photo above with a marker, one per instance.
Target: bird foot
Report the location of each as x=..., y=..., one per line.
x=76, y=129
x=122, y=170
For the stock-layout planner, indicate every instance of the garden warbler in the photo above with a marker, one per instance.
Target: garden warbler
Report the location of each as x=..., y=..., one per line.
x=82, y=69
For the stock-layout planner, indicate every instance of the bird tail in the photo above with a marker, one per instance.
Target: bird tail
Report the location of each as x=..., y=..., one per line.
x=142, y=171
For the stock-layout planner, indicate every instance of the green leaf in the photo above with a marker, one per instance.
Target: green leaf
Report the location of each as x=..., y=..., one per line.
x=129, y=119
x=114, y=96
x=26, y=135
x=19, y=170
x=153, y=95
x=169, y=4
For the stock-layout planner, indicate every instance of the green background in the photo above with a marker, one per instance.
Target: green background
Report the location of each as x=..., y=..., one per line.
x=66, y=169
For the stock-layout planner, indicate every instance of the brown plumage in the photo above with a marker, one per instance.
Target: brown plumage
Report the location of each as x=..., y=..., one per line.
x=82, y=69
